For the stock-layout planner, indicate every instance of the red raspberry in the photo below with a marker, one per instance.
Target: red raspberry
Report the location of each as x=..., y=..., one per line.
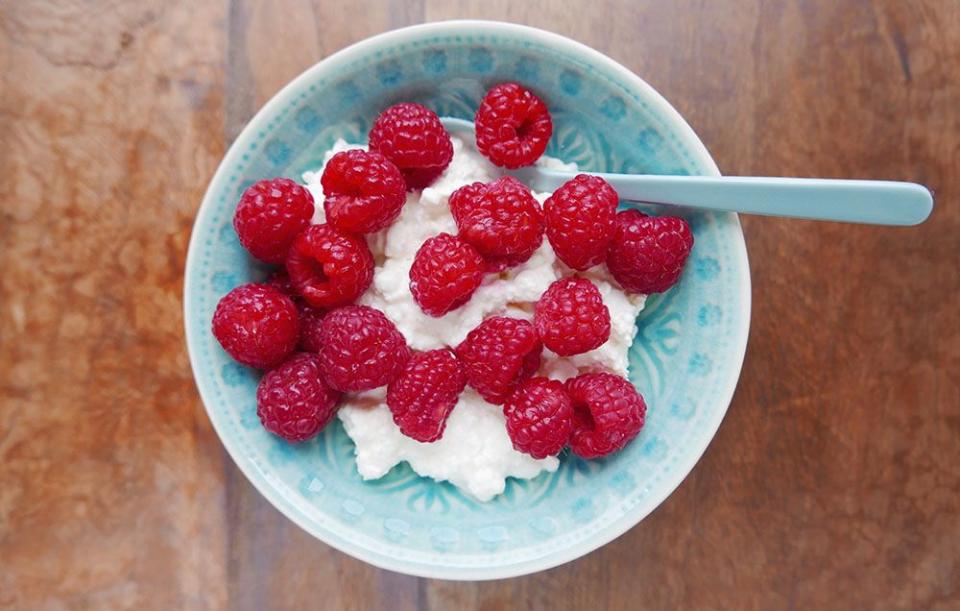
x=445, y=273
x=360, y=349
x=412, y=137
x=513, y=126
x=363, y=191
x=498, y=354
x=580, y=217
x=293, y=401
x=539, y=417
x=647, y=253
x=570, y=317
x=423, y=396
x=311, y=320
x=329, y=268
x=503, y=220
x=607, y=413
x=270, y=214
x=465, y=200
x=257, y=325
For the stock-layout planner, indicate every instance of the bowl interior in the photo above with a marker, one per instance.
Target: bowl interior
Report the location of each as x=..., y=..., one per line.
x=685, y=360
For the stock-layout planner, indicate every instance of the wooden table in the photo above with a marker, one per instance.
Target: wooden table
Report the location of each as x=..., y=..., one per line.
x=834, y=481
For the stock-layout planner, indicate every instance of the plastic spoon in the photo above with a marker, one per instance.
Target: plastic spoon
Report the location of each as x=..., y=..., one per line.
x=880, y=202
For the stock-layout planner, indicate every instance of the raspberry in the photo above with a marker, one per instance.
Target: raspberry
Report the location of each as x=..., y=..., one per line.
x=465, y=200
x=363, y=191
x=257, y=325
x=329, y=268
x=580, y=217
x=360, y=349
x=513, y=126
x=570, y=317
x=539, y=417
x=498, y=354
x=412, y=137
x=293, y=401
x=607, y=413
x=503, y=221
x=269, y=216
x=445, y=273
x=311, y=320
x=647, y=253
x=423, y=396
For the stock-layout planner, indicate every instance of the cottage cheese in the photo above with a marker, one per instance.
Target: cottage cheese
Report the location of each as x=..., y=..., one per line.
x=475, y=453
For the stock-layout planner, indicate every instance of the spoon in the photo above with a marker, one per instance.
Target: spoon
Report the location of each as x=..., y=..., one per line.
x=879, y=202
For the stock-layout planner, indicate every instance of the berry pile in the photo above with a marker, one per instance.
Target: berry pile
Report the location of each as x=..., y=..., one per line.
x=304, y=327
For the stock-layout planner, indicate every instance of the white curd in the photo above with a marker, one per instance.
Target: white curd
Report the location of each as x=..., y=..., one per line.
x=475, y=453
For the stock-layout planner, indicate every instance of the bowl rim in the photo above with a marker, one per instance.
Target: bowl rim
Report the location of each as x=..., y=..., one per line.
x=672, y=118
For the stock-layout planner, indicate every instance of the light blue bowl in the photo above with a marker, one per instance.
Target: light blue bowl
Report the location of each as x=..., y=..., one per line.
x=686, y=358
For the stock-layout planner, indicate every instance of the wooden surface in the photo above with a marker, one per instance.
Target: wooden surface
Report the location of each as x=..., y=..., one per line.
x=833, y=483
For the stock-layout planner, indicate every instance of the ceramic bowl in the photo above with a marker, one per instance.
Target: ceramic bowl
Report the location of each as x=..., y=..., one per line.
x=686, y=358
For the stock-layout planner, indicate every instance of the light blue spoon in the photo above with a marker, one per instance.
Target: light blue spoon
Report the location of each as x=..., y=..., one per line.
x=880, y=202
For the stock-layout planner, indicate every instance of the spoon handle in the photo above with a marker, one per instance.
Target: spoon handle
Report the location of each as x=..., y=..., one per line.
x=854, y=201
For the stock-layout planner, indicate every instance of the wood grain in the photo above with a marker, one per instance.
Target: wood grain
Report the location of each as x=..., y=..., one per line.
x=833, y=482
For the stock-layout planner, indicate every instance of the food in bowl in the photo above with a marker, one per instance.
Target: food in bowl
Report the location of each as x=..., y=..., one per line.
x=422, y=305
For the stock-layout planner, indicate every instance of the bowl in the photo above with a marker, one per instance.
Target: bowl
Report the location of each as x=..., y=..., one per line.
x=685, y=361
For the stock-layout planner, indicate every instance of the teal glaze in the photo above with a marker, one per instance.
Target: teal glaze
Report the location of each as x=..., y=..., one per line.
x=686, y=358
x=879, y=202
